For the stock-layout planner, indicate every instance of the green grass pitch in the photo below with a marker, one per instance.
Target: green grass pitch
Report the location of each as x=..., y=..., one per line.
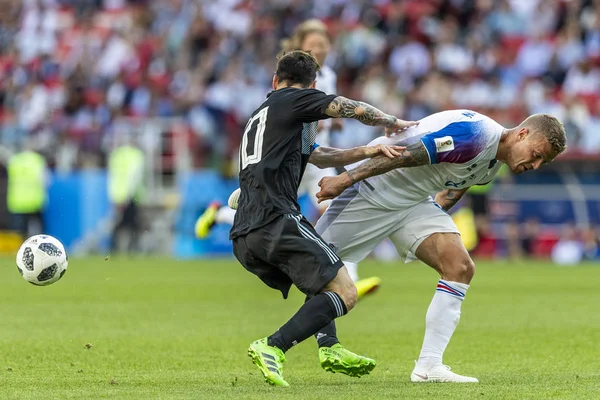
x=152, y=328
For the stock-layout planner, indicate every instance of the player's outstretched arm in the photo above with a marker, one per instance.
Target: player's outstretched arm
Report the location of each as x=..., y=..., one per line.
x=449, y=197
x=413, y=155
x=342, y=107
x=327, y=157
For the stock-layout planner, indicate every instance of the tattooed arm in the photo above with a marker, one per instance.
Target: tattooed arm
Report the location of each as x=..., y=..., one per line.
x=449, y=197
x=326, y=157
x=342, y=107
x=413, y=155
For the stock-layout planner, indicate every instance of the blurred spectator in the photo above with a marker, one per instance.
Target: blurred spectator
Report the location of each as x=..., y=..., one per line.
x=26, y=194
x=410, y=59
x=506, y=21
x=569, y=250
x=533, y=59
x=514, y=245
x=125, y=172
x=529, y=235
x=4, y=215
x=582, y=78
x=590, y=141
x=74, y=68
x=452, y=56
x=569, y=50
x=590, y=244
x=79, y=76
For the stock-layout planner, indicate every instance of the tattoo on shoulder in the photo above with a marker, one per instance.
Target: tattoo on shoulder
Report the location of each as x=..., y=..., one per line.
x=416, y=154
x=342, y=107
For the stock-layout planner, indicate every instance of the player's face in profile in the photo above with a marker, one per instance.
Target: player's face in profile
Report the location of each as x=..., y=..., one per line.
x=531, y=151
x=318, y=44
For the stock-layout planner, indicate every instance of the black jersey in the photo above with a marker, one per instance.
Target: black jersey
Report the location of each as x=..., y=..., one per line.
x=277, y=143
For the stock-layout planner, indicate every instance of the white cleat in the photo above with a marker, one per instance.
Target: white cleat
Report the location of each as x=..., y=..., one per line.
x=439, y=373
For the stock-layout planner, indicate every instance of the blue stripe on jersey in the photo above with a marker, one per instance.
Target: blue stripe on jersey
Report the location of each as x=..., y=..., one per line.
x=431, y=149
x=466, y=140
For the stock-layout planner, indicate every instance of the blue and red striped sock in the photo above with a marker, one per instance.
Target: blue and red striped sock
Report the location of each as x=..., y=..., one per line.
x=441, y=321
x=455, y=289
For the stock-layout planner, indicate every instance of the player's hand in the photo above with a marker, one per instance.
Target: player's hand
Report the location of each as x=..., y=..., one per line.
x=390, y=151
x=399, y=126
x=332, y=186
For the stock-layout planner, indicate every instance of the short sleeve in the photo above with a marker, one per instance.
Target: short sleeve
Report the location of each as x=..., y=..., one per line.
x=456, y=143
x=309, y=105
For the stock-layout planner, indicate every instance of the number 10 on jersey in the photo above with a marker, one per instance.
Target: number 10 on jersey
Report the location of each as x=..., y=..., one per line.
x=252, y=142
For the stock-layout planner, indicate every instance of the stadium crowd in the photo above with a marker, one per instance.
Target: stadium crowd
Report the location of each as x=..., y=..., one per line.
x=70, y=70
x=76, y=76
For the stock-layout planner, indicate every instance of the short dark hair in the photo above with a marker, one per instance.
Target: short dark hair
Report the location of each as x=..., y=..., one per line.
x=297, y=67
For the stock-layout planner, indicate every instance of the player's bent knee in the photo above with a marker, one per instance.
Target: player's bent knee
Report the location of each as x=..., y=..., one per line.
x=460, y=271
x=346, y=291
x=343, y=285
x=350, y=296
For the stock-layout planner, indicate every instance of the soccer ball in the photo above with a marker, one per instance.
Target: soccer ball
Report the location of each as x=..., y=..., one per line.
x=42, y=260
x=234, y=198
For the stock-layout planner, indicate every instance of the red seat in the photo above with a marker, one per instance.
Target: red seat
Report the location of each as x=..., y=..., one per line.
x=486, y=248
x=543, y=245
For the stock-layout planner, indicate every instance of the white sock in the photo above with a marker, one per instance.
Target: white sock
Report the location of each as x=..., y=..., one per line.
x=441, y=321
x=225, y=215
x=352, y=270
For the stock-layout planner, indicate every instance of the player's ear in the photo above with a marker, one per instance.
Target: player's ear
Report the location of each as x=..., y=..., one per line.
x=313, y=85
x=523, y=133
x=275, y=82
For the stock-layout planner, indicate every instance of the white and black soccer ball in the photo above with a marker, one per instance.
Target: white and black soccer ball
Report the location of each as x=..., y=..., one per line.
x=42, y=260
x=234, y=199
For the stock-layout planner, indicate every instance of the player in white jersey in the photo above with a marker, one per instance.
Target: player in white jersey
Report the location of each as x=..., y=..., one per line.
x=391, y=198
x=310, y=35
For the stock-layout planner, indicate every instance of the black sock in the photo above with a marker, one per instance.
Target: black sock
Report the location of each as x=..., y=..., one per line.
x=327, y=336
x=315, y=314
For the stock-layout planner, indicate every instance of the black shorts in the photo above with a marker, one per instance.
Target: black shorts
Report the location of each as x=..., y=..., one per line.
x=285, y=251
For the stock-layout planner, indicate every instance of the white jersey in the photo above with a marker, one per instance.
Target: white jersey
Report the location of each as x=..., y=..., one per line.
x=326, y=82
x=462, y=147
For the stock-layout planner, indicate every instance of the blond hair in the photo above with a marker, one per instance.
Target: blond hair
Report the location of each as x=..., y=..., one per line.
x=551, y=128
x=307, y=27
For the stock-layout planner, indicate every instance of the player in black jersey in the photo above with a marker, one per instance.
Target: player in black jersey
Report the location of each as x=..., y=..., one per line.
x=270, y=236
